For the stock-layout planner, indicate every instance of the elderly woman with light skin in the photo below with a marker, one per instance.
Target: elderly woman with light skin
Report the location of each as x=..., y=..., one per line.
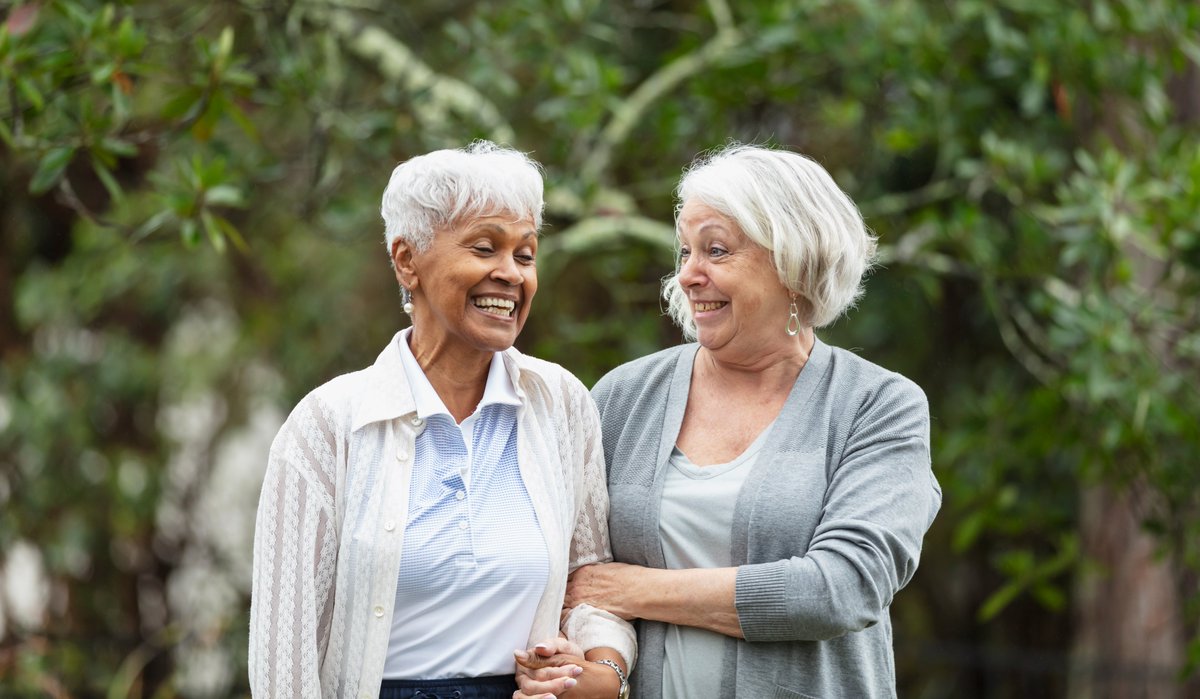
x=385, y=560
x=769, y=492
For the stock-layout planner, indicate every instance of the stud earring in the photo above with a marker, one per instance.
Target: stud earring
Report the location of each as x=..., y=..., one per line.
x=793, y=323
x=406, y=296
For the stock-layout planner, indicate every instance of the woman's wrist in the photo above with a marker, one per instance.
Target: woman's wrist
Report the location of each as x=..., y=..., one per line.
x=600, y=680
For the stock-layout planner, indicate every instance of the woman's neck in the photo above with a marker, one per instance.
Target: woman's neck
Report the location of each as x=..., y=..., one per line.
x=458, y=375
x=766, y=369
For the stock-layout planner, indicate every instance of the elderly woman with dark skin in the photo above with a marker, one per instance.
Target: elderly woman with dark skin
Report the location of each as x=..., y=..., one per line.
x=769, y=492
x=385, y=560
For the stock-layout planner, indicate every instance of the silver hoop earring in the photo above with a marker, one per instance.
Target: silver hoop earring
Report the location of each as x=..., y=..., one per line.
x=406, y=296
x=793, y=324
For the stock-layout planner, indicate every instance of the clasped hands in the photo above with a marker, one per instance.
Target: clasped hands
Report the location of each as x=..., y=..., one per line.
x=557, y=667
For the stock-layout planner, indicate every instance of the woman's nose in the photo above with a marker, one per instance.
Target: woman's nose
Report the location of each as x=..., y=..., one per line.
x=508, y=271
x=690, y=272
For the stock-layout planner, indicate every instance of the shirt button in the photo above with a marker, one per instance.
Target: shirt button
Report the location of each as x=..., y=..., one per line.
x=401, y=454
x=389, y=525
x=378, y=611
x=463, y=525
x=460, y=495
x=416, y=421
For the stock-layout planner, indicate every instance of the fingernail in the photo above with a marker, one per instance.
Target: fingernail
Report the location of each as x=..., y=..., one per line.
x=542, y=646
x=521, y=654
x=576, y=671
x=570, y=682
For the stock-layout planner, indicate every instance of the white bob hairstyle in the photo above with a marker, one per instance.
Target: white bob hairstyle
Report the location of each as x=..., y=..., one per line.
x=431, y=192
x=788, y=204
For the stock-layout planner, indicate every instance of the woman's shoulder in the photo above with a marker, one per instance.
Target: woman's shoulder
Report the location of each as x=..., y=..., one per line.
x=334, y=402
x=644, y=372
x=852, y=377
x=554, y=377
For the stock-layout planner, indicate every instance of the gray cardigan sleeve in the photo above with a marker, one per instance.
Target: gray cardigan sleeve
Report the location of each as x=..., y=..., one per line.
x=880, y=500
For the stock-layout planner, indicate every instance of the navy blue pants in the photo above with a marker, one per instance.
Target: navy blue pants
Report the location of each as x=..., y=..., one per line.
x=498, y=687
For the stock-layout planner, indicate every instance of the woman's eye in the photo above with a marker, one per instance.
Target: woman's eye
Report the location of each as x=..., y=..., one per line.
x=715, y=252
x=485, y=249
x=525, y=258
x=684, y=252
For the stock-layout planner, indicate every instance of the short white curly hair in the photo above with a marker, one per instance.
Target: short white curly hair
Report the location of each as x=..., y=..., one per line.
x=788, y=204
x=430, y=192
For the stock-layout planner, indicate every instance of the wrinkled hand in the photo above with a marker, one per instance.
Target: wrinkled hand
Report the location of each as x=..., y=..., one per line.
x=603, y=585
x=548, y=669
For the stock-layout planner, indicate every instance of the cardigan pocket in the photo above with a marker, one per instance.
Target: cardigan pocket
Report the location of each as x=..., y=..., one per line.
x=785, y=693
x=627, y=522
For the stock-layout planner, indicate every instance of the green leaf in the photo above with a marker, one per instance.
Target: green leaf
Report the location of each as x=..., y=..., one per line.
x=184, y=105
x=232, y=233
x=999, y=600
x=239, y=117
x=970, y=529
x=31, y=93
x=224, y=195
x=125, y=149
x=189, y=231
x=215, y=235
x=106, y=178
x=153, y=223
x=224, y=50
x=103, y=74
x=130, y=41
x=50, y=169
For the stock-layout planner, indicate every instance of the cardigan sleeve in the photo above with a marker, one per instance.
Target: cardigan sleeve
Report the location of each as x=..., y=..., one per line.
x=295, y=552
x=880, y=500
x=589, y=626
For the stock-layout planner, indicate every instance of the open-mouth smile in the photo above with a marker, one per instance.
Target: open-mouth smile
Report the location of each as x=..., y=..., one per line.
x=493, y=305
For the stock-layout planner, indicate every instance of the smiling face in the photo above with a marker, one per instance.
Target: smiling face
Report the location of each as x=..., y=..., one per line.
x=737, y=301
x=472, y=288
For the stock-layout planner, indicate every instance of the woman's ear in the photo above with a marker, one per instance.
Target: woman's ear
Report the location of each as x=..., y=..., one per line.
x=402, y=261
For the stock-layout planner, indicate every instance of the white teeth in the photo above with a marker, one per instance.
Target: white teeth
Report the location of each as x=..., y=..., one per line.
x=702, y=306
x=495, y=306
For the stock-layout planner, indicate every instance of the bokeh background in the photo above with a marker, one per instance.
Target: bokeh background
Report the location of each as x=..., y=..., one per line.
x=190, y=241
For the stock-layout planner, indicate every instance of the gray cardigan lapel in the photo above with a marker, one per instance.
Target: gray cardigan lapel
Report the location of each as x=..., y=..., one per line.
x=772, y=454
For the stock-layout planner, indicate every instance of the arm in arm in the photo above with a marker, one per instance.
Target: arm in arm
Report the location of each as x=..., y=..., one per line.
x=880, y=501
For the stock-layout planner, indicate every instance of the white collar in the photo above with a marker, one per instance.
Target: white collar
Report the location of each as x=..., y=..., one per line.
x=498, y=390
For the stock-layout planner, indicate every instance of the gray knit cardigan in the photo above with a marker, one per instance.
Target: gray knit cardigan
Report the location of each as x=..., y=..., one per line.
x=826, y=530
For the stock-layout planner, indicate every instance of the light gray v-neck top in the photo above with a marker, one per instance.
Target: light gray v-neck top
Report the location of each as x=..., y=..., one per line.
x=826, y=529
x=695, y=524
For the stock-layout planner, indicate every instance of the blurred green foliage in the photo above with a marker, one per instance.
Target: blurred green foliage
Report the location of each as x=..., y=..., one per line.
x=189, y=219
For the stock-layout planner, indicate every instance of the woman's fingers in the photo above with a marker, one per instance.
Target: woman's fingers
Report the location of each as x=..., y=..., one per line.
x=540, y=683
x=557, y=645
x=548, y=669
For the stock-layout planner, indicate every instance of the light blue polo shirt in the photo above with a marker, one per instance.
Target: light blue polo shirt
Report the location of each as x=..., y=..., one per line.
x=474, y=564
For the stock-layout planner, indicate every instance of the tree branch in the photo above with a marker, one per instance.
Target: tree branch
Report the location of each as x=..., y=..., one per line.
x=722, y=16
x=397, y=63
x=667, y=78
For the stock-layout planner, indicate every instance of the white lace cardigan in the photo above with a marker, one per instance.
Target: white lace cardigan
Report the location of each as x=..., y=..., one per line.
x=330, y=524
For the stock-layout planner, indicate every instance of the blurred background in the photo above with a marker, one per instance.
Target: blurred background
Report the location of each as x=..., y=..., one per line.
x=190, y=242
